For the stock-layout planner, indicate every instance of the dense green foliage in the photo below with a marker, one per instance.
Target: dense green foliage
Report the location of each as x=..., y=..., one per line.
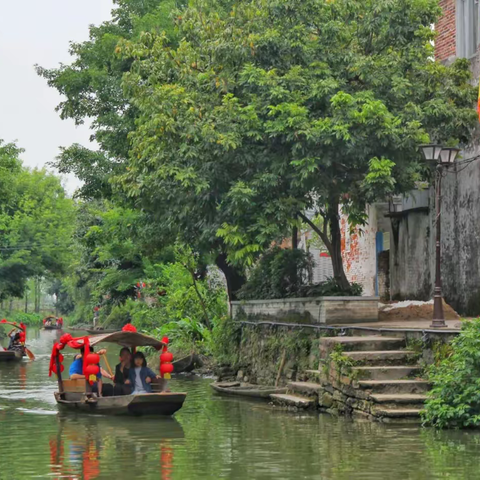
x=282, y=273
x=454, y=400
x=278, y=107
x=36, y=221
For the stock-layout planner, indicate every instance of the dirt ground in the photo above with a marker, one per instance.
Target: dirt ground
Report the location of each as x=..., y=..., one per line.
x=413, y=311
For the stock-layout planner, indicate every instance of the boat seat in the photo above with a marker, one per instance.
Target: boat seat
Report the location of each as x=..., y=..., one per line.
x=74, y=386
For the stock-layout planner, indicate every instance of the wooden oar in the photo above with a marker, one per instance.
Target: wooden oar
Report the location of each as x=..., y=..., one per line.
x=107, y=364
x=30, y=354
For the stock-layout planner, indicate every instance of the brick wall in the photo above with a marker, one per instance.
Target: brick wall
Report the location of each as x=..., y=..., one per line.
x=358, y=251
x=446, y=43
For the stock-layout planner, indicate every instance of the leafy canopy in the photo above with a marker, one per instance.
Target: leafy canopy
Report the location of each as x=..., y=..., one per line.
x=266, y=108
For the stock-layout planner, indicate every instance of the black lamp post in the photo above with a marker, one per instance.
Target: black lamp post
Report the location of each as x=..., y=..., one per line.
x=442, y=158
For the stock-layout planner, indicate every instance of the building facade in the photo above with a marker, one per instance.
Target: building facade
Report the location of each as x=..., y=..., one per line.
x=411, y=219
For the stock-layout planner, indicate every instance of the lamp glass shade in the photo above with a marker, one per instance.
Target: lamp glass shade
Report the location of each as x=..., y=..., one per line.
x=449, y=155
x=431, y=152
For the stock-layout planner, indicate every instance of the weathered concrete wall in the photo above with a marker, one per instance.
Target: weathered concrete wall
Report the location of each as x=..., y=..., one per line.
x=319, y=310
x=412, y=260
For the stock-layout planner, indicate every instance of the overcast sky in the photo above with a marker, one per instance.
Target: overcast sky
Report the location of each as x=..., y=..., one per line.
x=39, y=31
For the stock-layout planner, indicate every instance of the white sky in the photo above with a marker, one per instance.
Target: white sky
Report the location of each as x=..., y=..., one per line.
x=38, y=32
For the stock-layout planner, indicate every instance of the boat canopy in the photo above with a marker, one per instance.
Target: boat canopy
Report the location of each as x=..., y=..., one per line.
x=127, y=339
x=20, y=326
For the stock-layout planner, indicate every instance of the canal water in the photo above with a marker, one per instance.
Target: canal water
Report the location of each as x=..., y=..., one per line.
x=212, y=437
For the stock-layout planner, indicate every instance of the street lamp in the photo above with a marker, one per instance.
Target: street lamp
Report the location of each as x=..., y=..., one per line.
x=442, y=158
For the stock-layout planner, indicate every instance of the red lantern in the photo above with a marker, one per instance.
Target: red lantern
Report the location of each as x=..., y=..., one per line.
x=166, y=368
x=91, y=372
x=166, y=357
x=92, y=359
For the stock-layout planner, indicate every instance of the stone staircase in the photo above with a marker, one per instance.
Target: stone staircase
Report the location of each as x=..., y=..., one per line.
x=380, y=382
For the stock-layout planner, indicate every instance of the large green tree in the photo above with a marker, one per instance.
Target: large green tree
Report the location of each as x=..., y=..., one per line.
x=36, y=224
x=266, y=109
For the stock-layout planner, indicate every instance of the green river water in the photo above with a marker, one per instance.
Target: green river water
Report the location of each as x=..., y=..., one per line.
x=212, y=437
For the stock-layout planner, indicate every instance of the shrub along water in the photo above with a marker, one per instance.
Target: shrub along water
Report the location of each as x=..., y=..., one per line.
x=282, y=273
x=454, y=401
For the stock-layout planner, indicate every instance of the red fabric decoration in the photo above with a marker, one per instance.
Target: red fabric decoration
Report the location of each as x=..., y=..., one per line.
x=129, y=328
x=166, y=368
x=4, y=320
x=54, y=368
x=166, y=357
x=60, y=358
x=92, y=359
x=66, y=338
x=165, y=340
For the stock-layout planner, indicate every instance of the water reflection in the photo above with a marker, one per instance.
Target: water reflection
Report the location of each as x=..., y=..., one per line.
x=212, y=437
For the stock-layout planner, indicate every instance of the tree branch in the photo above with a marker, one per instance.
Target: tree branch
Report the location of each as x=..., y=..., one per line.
x=322, y=235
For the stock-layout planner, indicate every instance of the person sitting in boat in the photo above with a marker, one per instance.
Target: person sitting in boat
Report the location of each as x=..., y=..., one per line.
x=76, y=373
x=60, y=322
x=122, y=373
x=140, y=376
x=14, y=343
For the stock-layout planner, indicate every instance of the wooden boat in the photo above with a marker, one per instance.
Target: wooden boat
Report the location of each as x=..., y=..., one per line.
x=52, y=327
x=187, y=364
x=96, y=332
x=11, y=355
x=76, y=395
x=246, y=390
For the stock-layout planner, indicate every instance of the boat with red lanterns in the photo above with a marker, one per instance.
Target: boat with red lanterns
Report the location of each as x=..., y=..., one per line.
x=78, y=395
x=20, y=351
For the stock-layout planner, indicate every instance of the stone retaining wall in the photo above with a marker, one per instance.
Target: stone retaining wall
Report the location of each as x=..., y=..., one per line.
x=318, y=310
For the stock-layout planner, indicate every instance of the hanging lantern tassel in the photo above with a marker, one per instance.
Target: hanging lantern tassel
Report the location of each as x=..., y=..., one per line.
x=166, y=358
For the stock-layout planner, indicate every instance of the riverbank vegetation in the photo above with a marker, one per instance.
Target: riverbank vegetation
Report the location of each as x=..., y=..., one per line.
x=454, y=401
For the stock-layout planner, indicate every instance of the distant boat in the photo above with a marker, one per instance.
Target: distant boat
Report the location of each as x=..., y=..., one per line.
x=187, y=364
x=246, y=390
x=52, y=327
x=99, y=331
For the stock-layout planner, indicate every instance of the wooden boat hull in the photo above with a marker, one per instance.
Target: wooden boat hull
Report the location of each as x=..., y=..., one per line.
x=187, y=364
x=252, y=391
x=101, y=332
x=165, y=404
x=11, y=356
x=52, y=327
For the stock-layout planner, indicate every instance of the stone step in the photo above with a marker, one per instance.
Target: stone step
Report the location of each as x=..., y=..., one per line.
x=383, y=358
x=309, y=389
x=398, y=412
x=291, y=400
x=362, y=343
x=395, y=401
x=395, y=386
x=393, y=415
x=392, y=372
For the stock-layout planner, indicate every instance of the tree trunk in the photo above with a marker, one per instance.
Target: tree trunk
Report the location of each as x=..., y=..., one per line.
x=234, y=278
x=11, y=305
x=335, y=247
x=26, y=301
x=294, y=237
x=37, y=295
